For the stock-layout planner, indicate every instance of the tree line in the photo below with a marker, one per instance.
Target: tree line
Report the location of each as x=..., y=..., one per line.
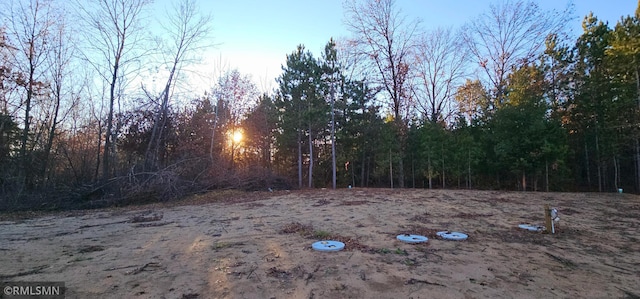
x=507, y=101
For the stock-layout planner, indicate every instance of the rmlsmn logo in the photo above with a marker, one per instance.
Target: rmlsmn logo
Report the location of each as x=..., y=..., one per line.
x=32, y=290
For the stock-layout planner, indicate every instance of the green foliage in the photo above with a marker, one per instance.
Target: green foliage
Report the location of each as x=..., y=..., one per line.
x=9, y=143
x=302, y=110
x=259, y=127
x=360, y=134
x=567, y=119
x=321, y=234
x=8, y=137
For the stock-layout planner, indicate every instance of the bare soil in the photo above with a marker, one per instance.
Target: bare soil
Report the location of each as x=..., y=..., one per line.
x=258, y=245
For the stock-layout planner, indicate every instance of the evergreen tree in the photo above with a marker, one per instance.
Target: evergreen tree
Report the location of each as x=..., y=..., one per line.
x=592, y=96
x=624, y=55
x=302, y=111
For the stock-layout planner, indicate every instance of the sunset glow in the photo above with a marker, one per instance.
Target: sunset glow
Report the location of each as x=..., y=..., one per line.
x=237, y=136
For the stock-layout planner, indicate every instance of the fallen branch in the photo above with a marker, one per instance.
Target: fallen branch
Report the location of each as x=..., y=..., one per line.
x=153, y=224
x=309, y=276
x=252, y=270
x=414, y=281
x=103, y=224
x=140, y=269
x=35, y=270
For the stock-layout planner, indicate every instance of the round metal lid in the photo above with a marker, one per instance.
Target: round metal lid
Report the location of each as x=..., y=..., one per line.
x=455, y=236
x=408, y=238
x=533, y=228
x=328, y=245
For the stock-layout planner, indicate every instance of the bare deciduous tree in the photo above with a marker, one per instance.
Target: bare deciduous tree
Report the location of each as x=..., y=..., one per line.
x=385, y=42
x=113, y=40
x=440, y=58
x=187, y=30
x=30, y=25
x=235, y=95
x=509, y=34
x=62, y=96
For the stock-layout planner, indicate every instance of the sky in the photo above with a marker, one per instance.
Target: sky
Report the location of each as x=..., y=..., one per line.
x=254, y=36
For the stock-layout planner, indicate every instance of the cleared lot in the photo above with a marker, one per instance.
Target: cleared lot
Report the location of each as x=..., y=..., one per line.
x=258, y=245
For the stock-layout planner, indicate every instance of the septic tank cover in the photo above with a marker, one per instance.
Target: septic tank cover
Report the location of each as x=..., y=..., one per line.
x=407, y=238
x=533, y=228
x=328, y=245
x=455, y=236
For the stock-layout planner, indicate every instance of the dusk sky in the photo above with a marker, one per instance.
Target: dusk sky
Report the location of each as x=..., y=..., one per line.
x=255, y=35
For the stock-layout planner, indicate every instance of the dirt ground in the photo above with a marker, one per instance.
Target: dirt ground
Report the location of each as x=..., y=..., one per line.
x=258, y=245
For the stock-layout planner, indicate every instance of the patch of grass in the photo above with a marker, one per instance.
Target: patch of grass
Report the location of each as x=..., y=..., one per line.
x=383, y=251
x=410, y=262
x=321, y=234
x=401, y=252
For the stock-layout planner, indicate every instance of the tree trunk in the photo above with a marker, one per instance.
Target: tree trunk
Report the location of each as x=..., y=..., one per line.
x=443, y=174
x=598, y=166
x=362, y=170
x=524, y=181
x=413, y=172
x=333, y=139
x=637, y=141
x=429, y=170
x=52, y=131
x=353, y=176
x=469, y=170
x=106, y=159
x=157, y=140
x=586, y=160
x=391, y=168
x=299, y=158
x=97, y=169
x=213, y=132
x=368, y=172
x=401, y=170
x=233, y=151
x=403, y=141
x=546, y=176
x=638, y=85
x=616, y=177
x=24, y=155
x=310, y=159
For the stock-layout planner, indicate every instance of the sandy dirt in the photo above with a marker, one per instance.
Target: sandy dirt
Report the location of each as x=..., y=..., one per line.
x=258, y=245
